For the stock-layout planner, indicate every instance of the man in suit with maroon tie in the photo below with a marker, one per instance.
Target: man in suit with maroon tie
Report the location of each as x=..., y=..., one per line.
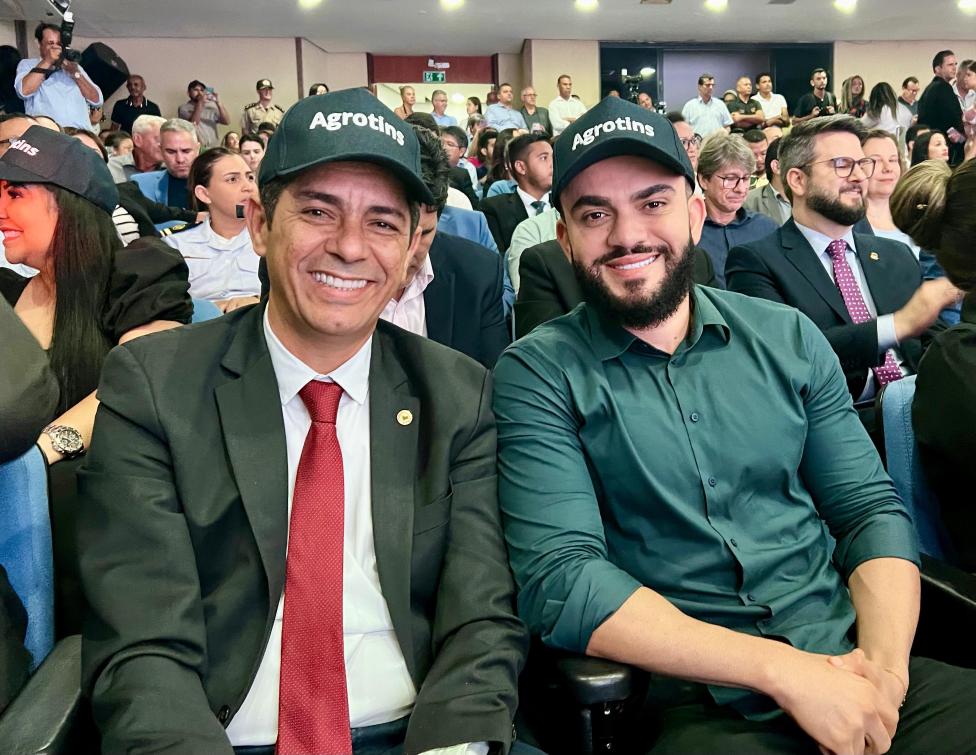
x=291, y=533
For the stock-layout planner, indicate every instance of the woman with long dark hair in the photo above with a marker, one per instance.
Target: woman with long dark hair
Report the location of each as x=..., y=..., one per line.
x=90, y=293
x=882, y=109
x=222, y=262
x=931, y=145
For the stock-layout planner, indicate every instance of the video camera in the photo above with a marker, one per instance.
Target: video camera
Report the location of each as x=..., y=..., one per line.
x=62, y=8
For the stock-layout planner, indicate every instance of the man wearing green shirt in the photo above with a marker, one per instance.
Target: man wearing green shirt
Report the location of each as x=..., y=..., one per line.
x=687, y=488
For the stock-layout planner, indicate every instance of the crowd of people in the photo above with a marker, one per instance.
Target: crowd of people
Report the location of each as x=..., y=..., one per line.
x=455, y=384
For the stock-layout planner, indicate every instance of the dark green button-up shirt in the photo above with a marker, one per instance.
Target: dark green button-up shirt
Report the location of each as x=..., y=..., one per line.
x=732, y=477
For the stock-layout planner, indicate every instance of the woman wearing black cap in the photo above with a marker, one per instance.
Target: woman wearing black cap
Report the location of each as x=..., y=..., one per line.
x=56, y=199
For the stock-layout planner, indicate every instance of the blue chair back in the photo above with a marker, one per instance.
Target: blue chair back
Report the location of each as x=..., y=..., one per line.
x=149, y=184
x=204, y=310
x=25, y=546
x=905, y=468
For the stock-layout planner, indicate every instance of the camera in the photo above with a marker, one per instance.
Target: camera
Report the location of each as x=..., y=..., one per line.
x=62, y=7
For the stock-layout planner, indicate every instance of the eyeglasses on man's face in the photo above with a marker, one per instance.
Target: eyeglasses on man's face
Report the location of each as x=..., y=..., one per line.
x=844, y=166
x=689, y=142
x=732, y=181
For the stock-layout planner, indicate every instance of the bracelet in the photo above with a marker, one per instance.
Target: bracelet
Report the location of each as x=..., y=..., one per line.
x=904, y=684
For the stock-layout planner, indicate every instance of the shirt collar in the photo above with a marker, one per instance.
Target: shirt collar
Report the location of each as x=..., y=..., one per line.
x=742, y=215
x=215, y=240
x=421, y=279
x=293, y=374
x=609, y=340
x=820, y=242
x=528, y=199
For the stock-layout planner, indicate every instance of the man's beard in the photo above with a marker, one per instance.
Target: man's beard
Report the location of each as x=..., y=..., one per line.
x=645, y=311
x=834, y=210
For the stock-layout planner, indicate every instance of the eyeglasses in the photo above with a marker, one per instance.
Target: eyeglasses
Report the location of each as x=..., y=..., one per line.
x=733, y=182
x=696, y=140
x=451, y=145
x=844, y=166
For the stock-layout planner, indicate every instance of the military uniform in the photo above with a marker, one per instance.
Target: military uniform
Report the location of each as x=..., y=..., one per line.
x=255, y=114
x=219, y=268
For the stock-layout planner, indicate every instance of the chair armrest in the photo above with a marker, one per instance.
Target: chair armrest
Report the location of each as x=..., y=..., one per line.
x=947, y=624
x=593, y=681
x=43, y=718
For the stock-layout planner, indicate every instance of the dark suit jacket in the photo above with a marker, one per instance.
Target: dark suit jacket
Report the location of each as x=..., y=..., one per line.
x=14, y=659
x=147, y=212
x=464, y=301
x=548, y=287
x=504, y=212
x=28, y=389
x=185, y=519
x=938, y=107
x=783, y=267
x=460, y=179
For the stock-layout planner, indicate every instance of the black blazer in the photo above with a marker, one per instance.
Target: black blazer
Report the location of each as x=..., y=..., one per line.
x=14, y=658
x=783, y=267
x=464, y=301
x=184, y=517
x=504, y=212
x=548, y=287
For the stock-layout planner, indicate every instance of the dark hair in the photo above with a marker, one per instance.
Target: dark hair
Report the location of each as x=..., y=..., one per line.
x=82, y=251
x=9, y=58
x=505, y=84
x=250, y=138
x=477, y=103
x=202, y=171
x=761, y=74
x=920, y=150
x=195, y=83
x=675, y=117
x=815, y=71
x=798, y=148
x=912, y=133
x=772, y=153
x=267, y=126
x=223, y=142
x=849, y=100
x=940, y=57
x=485, y=136
x=434, y=168
x=909, y=80
x=43, y=27
x=705, y=77
x=424, y=120
x=518, y=146
x=72, y=131
x=113, y=139
x=754, y=136
x=882, y=96
x=457, y=134
x=499, y=164
x=312, y=90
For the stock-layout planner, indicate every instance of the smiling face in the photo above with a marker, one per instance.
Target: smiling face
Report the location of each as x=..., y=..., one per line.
x=28, y=217
x=821, y=190
x=627, y=227
x=887, y=167
x=136, y=86
x=337, y=252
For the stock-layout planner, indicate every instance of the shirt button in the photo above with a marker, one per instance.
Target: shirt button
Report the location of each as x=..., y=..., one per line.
x=223, y=715
x=694, y=416
x=751, y=598
x=734, y=543
x=712, y=481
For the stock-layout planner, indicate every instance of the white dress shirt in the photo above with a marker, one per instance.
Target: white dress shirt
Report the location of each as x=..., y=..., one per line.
x=885, y=323
x=560, y=110
x=378, y=684
x=535, y=229
x=409, y=311
x=219, y=268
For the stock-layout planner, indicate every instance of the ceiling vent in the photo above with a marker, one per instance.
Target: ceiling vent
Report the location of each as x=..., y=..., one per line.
x=655, y=2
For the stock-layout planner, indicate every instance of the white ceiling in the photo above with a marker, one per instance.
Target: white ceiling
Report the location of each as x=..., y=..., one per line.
x=486, y=26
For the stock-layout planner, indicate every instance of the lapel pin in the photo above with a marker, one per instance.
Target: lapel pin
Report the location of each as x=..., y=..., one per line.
x=404, y=417
x=874, y=256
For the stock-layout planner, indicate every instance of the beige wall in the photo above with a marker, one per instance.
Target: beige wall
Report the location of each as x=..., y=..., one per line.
x=340, y=70
x=510, y=70
x=891, y=61
x=545, y=59
x=9, y=37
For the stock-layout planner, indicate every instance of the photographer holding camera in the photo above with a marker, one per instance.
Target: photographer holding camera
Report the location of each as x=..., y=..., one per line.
x=55, y=84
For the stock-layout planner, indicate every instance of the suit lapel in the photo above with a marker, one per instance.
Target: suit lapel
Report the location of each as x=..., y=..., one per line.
x=394, y=421
x=799, y=252
x=254, y=434
x=439, y=298
x=877, y=272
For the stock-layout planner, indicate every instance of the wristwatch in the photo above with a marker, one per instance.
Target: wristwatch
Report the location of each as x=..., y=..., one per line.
x=77, y=74
x=66, y=440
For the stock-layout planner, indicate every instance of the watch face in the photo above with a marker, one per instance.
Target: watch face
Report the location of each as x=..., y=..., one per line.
x=67, y=440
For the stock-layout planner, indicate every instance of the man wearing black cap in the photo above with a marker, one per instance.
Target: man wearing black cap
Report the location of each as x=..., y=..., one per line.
x=303, y=449
x=205, y=111
x=262, y=111
x=687, y=489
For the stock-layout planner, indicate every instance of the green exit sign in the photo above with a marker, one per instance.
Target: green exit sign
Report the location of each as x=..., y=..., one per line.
x=434, y=77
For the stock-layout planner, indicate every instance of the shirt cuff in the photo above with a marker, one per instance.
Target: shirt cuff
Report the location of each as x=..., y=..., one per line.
x=886, y=333
x=474, y=748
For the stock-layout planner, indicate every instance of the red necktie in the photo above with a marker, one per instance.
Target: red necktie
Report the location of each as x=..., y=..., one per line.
x=889, y=371
x=313, y=709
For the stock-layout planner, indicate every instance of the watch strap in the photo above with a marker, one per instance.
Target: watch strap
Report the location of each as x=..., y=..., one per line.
x=45, y=72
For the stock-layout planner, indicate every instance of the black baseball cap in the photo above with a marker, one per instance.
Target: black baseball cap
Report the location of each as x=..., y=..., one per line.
x=350, y=125
x=612, y=128
x=264, y=84
x=43, y=156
